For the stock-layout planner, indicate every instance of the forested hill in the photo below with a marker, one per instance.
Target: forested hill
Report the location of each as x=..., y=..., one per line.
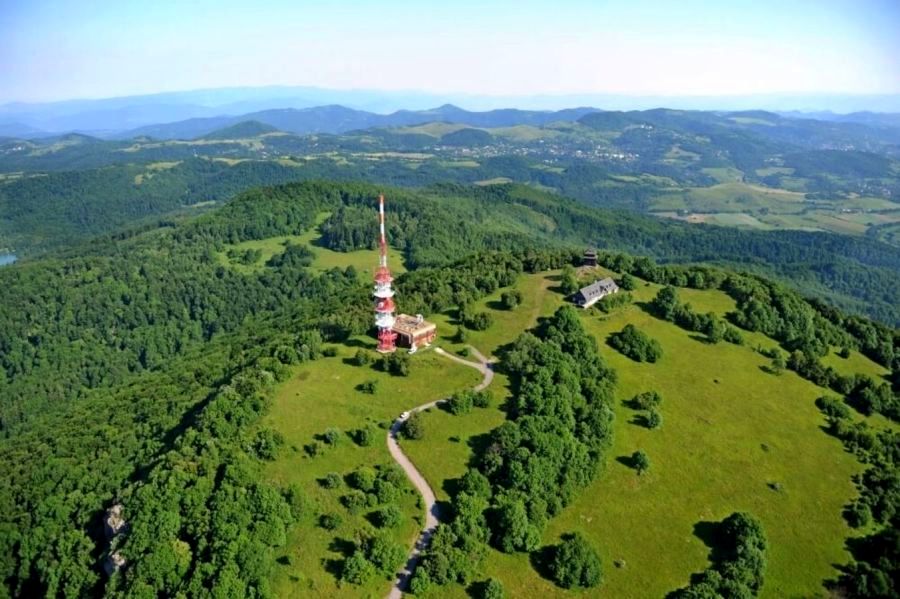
x=856, y=273
x=136, y=369
x=136, y=298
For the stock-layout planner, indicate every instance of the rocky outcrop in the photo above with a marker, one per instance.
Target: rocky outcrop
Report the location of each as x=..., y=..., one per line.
x=114, y=525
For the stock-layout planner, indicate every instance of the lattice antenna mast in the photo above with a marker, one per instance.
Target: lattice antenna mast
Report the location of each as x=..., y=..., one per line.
x=383, y=241
x=384, y=293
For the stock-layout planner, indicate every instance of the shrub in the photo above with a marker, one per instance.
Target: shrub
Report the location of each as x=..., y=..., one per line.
x=332, y=436
x=568, y=281
x=387, y=517
x=654, y=419
x=460, y=402
x=575, y=563
x=355, y=501
x=396, y=363
x=370, y=386
x=362, y=479
x=421, y=582
x=511, y=299
x=383, y=553
x=833, y=408
x=364, y=436
x=313, y=449
x=481, y=399
x=858, y=514
x=492, y=589
x=332, y=480
x=648, y=400
x=640, y=462
x=330, y=351
x=636, y=345
x=267, y=443
x=611, y=302
x=330, y=521
x=413, y=428
x=362, y=358
x=778, y=364
x=357, y=569
x=479, y=321
x=628, y=282
x=732, y=335
x=386, y=491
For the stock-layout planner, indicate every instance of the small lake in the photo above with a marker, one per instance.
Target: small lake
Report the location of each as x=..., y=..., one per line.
x=7, y=259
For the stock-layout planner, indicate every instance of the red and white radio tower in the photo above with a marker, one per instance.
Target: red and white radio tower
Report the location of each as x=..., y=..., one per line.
x=384, y=303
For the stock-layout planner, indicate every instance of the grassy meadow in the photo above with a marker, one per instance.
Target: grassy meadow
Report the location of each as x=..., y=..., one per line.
x=364, y=261
x=322, y=395
x=733, y=438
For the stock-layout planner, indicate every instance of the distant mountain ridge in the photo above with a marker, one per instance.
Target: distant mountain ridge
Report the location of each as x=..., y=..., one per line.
x=110, y=116
x=241, y=130
x=340, y=119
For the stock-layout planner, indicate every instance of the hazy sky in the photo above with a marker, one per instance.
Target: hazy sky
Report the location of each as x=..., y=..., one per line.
x=56, y=49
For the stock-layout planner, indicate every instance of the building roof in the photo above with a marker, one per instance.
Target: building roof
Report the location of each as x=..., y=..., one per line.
x=598, y=288
x=412, y=325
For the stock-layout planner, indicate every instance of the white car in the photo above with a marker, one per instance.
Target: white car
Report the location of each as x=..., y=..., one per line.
x=404, y=415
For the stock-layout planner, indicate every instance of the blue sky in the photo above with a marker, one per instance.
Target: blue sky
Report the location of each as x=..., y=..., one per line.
x=53, y=49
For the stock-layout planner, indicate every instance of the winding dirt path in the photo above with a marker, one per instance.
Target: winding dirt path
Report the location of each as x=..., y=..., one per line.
x=432, y=511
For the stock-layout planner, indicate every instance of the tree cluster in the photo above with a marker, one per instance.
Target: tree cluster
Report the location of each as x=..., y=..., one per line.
x=537, y=461
x=636, y=344
x=740, y=561
x=666, y=306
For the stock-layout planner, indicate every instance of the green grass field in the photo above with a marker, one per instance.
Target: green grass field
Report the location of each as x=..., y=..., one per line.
x=321, y=395
x=730, y=430
x=364, y=261
x=732, y=203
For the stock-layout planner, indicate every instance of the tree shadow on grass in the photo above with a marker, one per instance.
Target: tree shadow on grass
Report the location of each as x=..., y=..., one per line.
x=640, y=420
x=646, y=307
x=451, y=486
x=496, y=305
x=541, y=559
x=711, y=534
x=344, y=547
x=358, y=343
x=626, y=461
x=631, y=404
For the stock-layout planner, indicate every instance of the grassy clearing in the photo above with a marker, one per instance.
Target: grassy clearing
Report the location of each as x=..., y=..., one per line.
x=524, y=133
x=723, y=219
x=458, y=163
x=855, y=364
x=724, y=174
x=364, y=261
x=434, y=129
x=494, y=181
x=730, y=430
x=730, y=197
x=774, y=170
x=321, y=395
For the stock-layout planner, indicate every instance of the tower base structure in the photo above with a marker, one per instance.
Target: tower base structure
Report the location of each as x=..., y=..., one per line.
x=387, y=341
